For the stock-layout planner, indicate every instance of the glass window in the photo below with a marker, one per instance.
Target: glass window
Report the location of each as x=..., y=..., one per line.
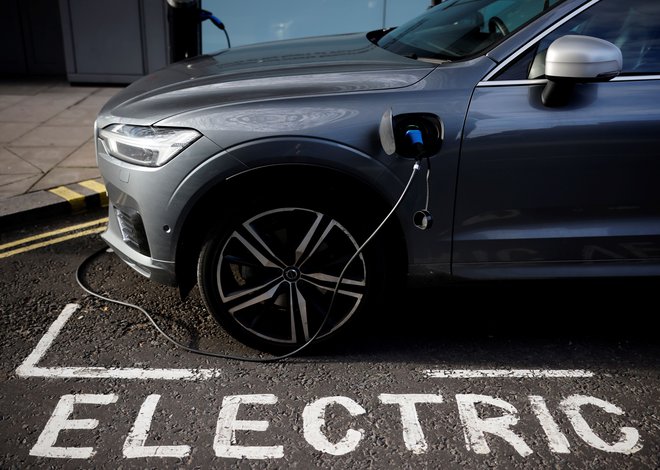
x=458, y=29
x=267, y=20
x=632, y=25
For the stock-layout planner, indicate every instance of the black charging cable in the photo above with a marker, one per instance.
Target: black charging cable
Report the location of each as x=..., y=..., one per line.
x=207, y=15
x=176, y=343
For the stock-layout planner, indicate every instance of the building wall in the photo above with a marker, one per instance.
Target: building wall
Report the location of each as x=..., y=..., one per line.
x=252, y=21
x=31, y=38
x=32, y=31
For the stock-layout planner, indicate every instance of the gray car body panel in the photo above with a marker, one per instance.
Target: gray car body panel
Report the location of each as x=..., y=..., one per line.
x=332, y=124
x=574, y=185
x=282, y=69
x=353, y=120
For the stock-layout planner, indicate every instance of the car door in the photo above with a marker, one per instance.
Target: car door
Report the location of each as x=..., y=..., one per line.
x=572, y=189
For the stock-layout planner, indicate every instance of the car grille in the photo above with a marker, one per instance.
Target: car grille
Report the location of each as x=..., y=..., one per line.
x=132, y=229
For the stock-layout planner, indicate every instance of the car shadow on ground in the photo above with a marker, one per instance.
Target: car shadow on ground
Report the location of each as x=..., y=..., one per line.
x=521, y=323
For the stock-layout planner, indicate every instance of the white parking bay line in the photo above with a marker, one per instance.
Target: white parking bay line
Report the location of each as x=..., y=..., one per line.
x=29, y=366
x=507, y=373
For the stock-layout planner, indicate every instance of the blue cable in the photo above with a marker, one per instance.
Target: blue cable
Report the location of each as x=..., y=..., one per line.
x=207, y=15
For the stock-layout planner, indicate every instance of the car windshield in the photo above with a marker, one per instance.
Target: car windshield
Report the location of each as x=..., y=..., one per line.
x=458, y=29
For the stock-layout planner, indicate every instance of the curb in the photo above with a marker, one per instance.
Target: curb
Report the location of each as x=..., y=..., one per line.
x=63, y=200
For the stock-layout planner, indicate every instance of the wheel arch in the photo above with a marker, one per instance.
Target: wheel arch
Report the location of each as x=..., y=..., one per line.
x=271, y=171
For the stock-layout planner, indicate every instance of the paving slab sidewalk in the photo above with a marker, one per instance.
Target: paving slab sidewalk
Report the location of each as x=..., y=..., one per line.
x=47, y=160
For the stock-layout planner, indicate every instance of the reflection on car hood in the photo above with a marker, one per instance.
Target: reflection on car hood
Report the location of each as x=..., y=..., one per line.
x=302, y=67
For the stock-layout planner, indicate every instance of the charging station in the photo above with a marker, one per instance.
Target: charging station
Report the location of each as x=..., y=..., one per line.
x=185, y=34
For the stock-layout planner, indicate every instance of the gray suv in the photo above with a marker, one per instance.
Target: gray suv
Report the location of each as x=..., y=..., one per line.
x=258, y=172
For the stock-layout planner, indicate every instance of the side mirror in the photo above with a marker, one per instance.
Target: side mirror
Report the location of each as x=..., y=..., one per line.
x=414, y=135
x=573, y=59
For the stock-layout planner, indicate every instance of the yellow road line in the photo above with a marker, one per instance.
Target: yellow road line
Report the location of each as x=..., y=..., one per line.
x=76, y=200
x=52, y=241
x=97, y=188
x=93, y=185
x=73, y=228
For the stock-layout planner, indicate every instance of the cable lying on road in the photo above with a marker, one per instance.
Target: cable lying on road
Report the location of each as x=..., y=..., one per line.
x=81, y=283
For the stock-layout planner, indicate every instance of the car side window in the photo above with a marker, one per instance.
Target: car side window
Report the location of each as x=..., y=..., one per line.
x=633, y=26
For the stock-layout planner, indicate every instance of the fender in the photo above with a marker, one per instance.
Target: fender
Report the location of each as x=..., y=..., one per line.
x=271, y=154
x=294, y=151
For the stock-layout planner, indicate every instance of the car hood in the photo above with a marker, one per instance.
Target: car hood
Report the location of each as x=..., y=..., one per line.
x=281, y=69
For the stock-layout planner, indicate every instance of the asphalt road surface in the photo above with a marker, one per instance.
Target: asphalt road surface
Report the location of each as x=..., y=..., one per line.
x=506, y=375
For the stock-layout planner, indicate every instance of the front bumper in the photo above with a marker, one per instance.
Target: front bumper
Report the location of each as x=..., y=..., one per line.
x=160, y=271
x=147, y=208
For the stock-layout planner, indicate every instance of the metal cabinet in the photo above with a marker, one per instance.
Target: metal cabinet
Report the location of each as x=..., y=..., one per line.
x=113, y=42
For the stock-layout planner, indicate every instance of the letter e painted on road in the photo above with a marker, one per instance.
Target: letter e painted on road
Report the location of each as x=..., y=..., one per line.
x=59, y=420
x=225, y=433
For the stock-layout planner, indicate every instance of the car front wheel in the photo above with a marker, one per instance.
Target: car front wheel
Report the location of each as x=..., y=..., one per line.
x=268, y=278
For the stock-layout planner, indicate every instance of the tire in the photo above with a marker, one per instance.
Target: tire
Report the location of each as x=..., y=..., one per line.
x=268, y=275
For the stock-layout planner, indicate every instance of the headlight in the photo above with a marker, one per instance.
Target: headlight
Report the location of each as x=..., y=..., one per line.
x=144, y=145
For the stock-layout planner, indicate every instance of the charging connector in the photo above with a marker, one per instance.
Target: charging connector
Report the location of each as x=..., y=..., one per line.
x=422, y=219
x=414, y=136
